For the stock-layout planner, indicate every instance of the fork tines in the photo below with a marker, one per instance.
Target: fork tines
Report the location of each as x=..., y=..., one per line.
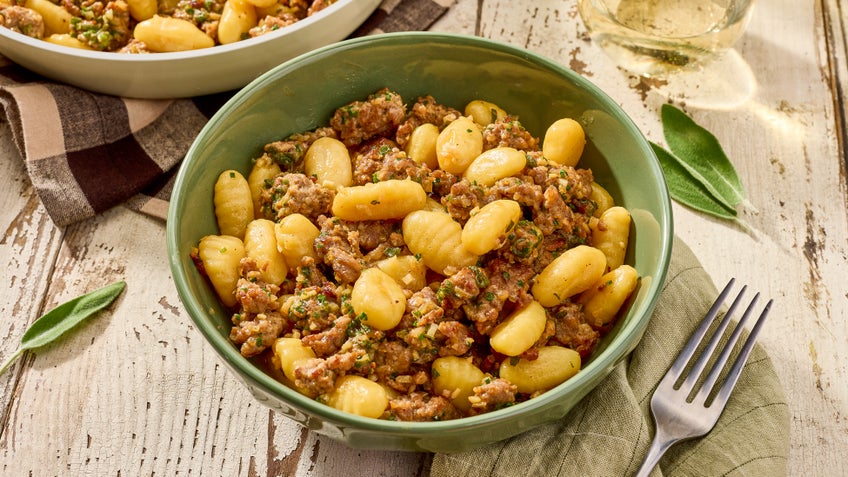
x=692, y=378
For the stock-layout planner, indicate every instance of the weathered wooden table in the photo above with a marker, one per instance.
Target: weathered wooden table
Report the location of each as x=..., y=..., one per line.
x=138, y=392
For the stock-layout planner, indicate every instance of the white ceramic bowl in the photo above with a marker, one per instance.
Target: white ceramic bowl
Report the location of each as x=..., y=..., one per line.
x=187, y=73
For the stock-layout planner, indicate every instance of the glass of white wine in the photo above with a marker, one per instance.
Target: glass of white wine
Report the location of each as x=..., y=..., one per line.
x=659, y=37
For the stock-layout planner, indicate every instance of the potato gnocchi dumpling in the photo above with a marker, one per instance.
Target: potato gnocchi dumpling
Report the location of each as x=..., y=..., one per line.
x=416, y=262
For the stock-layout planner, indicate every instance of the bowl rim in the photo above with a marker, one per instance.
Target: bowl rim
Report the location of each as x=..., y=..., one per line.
x=600, y=364
x=166, y=57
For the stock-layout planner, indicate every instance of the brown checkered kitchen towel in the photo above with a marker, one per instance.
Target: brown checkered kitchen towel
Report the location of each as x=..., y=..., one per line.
x=87, y=152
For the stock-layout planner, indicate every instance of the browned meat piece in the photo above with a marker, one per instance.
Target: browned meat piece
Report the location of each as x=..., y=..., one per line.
x=369, y=159
x=317, y=5
x=313, y=309
x=272, y=23
x=289, y=152
x=421, y=407
x=441, y=182
x=422, y=308
x=256, y=334
x=381, y=160
x=493, y=395
x=553, y=213
x=348, y=247
x=309, y=275
x=258, y=323
x=359, y=353
x=346, y=266
x=572, y=331
x=22, y=20
x=425, y=110
x=254, y=295
x=462, y=199
x=135, y=47
x=295, y=193
x=570, y=182
x=328, y=342
x=422, y=341
x=456, y=336
x=392, y=358
x=410, y=382
x=461, y=287
x=508, y=132
x=508, y=283
x=523, y=191
x=524, y=245
x=379, y=115
x=314, y=377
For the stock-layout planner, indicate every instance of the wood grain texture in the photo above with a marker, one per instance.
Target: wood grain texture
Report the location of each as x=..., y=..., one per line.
x=135, y=391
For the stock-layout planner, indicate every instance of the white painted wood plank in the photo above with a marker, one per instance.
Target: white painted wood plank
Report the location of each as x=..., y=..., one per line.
x=27, y=250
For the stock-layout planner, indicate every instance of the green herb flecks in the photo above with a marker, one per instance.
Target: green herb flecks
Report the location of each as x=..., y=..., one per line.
x=699, y=153
x=59, y=320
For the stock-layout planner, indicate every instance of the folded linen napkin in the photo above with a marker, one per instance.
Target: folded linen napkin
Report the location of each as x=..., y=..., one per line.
x=609, y=432
x=87, y=152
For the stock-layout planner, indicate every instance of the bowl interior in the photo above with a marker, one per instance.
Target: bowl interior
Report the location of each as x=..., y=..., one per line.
x=302, y=94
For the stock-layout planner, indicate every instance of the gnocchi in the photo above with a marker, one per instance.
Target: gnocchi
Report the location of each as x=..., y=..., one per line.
x=437, y=269
x=564, y=142
x=520, y=330
x=455, y=378
x=484, y=112
x=328, y=160
x=288, y=352
x=422, y=145
x=220, y=255
x=487, y=229
x=296, y=236
x=437, y=238
x=260, y=244
x=458, y=145
x=554, y=366
x=57, y=20
x=238, y=17
x=602, y=301
x=264, y=169
x=611, y=233
x=141, y=10
x=233, y=203
x=391, y=199
x=168, y=34
x=378, y=299
x=360, y=396
x=572, y=272
x=495, y=164
x=409, y=272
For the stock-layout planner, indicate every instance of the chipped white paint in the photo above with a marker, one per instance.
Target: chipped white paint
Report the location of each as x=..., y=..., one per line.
x=136, y=392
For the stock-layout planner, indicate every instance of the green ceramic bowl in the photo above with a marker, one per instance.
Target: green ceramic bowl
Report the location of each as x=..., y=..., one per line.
x=302, y=93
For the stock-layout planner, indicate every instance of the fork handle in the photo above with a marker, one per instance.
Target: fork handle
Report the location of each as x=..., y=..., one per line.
x=659, y=445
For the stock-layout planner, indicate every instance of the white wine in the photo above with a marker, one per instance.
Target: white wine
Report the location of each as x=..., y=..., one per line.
x=658, y=37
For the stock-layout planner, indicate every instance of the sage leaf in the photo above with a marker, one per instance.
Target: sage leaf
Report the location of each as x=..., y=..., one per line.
x=700, y=153
x=59, y=320
x=685, y=189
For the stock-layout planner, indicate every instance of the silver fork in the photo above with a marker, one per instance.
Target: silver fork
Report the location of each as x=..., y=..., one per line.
x=678, y=415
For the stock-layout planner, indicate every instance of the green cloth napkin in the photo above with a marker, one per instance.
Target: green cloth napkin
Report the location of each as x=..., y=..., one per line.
x=609, y=432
